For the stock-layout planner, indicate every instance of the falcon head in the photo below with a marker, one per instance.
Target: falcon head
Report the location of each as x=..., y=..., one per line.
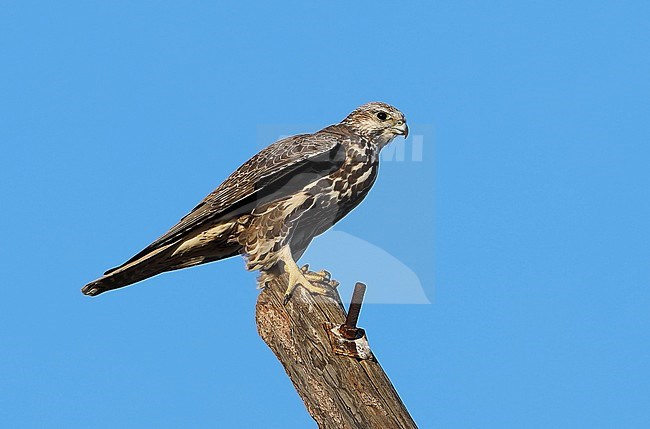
x=379, y=121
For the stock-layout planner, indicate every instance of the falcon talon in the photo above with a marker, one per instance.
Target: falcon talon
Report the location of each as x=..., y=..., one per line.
x=322, y=277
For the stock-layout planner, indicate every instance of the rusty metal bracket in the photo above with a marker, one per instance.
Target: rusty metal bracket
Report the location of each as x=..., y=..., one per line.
x=348, y=339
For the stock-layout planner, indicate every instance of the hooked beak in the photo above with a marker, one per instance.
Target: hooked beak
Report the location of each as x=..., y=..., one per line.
x=402, y=129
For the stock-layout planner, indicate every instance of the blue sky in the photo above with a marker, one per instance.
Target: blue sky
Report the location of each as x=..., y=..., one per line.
x=524, y=222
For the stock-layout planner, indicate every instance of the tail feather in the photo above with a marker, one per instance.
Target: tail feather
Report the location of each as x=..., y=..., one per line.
x=145, y=267
x=102, y=285
x=157, y=262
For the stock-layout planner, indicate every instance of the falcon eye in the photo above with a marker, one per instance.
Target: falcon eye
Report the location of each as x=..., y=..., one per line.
x=382, y=116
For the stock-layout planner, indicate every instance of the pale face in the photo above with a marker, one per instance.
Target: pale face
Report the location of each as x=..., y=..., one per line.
x=380, y=121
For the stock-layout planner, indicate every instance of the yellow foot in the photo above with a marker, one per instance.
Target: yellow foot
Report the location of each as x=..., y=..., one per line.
x=299, y=278
x=322, y=277
x=317, y=283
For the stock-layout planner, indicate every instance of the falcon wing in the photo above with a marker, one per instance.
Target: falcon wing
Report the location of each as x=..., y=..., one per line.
x=280, y=170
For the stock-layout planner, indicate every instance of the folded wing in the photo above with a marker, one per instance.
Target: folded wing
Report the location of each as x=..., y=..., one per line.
x=281, y=169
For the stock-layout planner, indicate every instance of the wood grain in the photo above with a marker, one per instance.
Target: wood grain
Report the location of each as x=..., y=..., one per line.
x=339, y=391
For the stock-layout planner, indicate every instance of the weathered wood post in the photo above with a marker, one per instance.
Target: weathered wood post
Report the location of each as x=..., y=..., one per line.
x=346, y=389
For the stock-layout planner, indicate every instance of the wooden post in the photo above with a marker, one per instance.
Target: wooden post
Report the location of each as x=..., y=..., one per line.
x=341, y=392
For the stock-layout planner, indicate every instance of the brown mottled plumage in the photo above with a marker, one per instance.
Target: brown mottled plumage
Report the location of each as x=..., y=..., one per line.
x=271, y=208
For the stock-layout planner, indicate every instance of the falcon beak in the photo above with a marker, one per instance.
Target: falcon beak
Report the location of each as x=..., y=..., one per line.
x=402, y=129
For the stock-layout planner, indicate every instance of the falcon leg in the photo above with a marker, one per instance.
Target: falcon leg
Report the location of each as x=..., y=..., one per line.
x=297, y=277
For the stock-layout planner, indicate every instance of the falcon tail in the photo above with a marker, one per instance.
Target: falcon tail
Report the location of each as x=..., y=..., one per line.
x=166, y=258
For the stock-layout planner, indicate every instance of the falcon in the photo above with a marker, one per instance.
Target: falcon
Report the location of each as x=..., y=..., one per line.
x=271, y=207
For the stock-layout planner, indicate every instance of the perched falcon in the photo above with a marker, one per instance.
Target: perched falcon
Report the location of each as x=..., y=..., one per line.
x=271, y=208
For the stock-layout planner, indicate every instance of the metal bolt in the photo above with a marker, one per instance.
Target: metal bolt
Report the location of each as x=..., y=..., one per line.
x=349, y=329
